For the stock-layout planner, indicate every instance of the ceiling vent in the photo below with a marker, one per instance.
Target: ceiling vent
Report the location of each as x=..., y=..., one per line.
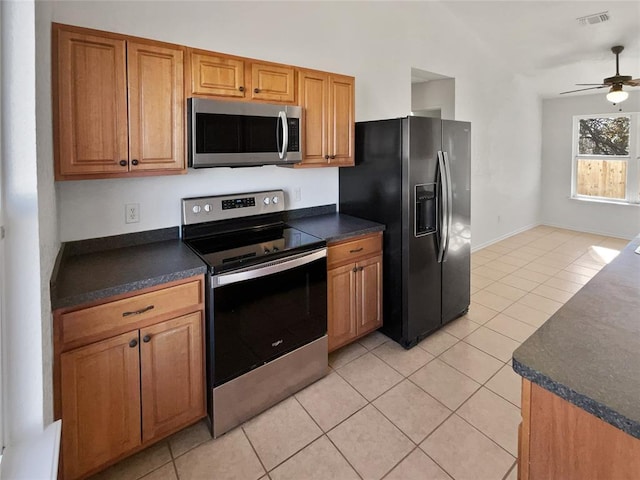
x=593, y=19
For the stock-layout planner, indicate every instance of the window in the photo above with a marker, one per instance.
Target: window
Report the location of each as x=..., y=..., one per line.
x=606, y=151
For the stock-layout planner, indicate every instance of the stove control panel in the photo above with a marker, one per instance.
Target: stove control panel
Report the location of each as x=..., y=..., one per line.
x=239, y=203
x=224, y=207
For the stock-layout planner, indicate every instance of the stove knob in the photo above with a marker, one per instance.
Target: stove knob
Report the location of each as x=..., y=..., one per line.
x=208, y=207
x=196, y=209
x=266, y=250
x=275, y=200
x=275, y=249
x=266, y=200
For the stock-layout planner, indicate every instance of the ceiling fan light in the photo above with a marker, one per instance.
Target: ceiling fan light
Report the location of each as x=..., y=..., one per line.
x=617, y=95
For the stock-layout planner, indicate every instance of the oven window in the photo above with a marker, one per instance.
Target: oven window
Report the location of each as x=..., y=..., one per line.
x=219, y=133
x=258, y=320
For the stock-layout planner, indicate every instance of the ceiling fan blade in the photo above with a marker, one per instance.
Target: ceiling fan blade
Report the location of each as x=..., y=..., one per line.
x=633, y=83
x=583, y=89
x=603, y=84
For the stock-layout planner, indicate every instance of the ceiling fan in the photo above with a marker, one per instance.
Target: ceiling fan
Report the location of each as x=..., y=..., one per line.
x=616, y=93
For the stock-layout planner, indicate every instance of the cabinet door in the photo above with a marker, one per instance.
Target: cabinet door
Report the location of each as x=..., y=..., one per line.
x=273, y=83
x=341, y=316
x=100, y=386
x=369, y=294
x=342, y=120
x=217, y=75
x=172, y=362
x=314, y=99
x=156, y=107
x=90, y=114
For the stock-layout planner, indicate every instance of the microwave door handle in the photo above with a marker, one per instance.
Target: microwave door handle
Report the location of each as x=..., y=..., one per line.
x=278, y=136
x=282, y=117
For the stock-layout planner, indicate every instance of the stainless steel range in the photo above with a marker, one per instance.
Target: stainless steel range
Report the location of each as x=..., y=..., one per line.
x=266, y=303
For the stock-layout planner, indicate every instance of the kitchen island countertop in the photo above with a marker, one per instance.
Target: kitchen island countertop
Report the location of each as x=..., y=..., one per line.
x=588, y=352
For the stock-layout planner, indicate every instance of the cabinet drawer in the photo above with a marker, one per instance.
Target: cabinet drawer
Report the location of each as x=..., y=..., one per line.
x=352, y=250
x=126, y=313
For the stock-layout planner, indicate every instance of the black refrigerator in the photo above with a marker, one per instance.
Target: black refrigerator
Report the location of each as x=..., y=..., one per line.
x=413, y=175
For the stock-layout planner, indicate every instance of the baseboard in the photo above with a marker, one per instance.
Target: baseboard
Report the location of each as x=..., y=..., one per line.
x=505, y=236
x=583, y=230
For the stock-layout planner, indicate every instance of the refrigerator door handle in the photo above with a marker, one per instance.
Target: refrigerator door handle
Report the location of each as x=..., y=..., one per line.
x=444, y=215
x=449, y=194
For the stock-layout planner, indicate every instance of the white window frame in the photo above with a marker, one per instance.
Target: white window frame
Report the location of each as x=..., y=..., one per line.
x=632, y=189
x=2, y=276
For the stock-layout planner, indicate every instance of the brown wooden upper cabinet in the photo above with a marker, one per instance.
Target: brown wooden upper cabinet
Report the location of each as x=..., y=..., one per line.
x=329, y=119
x=219, y=75
x=119, y=105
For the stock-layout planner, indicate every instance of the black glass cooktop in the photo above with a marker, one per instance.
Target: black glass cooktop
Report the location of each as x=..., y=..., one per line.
x=228, y=251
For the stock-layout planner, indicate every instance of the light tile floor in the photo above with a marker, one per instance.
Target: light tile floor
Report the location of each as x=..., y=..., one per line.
x=448, y=408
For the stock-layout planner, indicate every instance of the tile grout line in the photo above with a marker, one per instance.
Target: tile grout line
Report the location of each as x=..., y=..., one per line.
x=416, y=445
x=173, y=459
x=514, y=466
x=370, y=402
x=241, y=426
x=326, y=434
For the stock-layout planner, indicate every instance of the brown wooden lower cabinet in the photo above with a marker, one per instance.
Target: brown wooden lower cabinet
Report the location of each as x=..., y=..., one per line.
x=100, y=403
x=558, y=440
x=354, y=289
x=122, y=391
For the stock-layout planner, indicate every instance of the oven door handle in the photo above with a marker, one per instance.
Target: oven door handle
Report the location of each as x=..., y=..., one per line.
x=269, y=268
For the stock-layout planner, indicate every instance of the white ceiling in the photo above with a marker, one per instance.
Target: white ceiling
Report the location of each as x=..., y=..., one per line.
x=544, y=41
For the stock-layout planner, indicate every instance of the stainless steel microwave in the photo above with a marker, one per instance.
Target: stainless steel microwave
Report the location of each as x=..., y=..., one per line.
x=241, y=134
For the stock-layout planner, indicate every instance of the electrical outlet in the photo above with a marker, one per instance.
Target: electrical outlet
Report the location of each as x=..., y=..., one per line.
x=297, y=194
x=132, y=213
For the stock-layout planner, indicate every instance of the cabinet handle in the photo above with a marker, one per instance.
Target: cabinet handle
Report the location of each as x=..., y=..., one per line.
x=256, y=90
x=241, y=88
x=138, y=312
x=356, y=250
x=146, y=338
x=332, y=157
x=326, y=157
x=360, y=269
x=355, y=269
x=123, y=163
x=133, y=343
x=134, y=162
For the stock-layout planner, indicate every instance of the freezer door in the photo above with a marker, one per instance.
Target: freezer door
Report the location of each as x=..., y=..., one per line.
x=423, y=269
x=373, y=190
x=456, y=269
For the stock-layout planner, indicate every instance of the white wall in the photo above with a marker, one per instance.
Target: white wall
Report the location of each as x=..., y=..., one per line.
x=22, y=315
x=96, y=208
x=48, y=223
x=557, y=207
x=378, y=43
x=435, y=94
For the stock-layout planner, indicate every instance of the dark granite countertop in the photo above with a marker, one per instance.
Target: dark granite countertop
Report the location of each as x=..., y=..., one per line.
x=94, y=269
x=90, y=270
x=589, y=352
x=334, y=227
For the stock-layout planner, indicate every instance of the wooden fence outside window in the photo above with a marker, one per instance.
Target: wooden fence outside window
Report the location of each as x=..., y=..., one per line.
x=601, y=178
